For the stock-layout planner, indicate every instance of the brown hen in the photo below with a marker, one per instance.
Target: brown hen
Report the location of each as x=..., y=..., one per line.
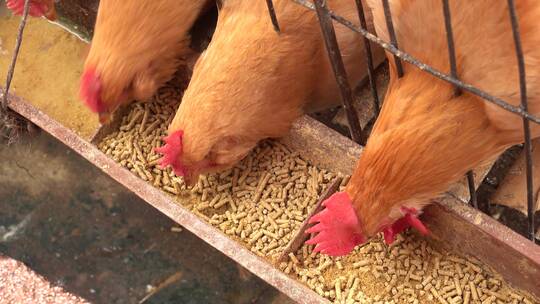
x=253, y=83
x=136, y=48
x=426, y=136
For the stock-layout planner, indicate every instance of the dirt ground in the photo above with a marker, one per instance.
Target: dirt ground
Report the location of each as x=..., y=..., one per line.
x=85, y=233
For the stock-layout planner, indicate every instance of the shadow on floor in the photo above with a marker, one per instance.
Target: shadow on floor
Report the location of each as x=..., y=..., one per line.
x=81, y=230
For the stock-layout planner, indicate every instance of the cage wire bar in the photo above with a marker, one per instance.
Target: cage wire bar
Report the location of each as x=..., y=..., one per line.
x=324, y=14
x=369, y=56
x=525, y=107
x=334, y=54
x=10, y=122
x=392, y=33
x=11, y=69
x=453, y=72
x=273, y=16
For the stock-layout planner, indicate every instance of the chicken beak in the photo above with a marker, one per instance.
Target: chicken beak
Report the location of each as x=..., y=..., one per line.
x=104, y=118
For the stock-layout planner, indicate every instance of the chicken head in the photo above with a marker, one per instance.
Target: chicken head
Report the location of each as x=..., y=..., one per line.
x=137, y=47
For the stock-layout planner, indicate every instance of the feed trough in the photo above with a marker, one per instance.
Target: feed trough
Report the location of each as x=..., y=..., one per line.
x=455, y=227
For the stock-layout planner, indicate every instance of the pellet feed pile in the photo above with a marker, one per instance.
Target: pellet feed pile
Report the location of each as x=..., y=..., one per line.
x=263, y=201
x=408, y=271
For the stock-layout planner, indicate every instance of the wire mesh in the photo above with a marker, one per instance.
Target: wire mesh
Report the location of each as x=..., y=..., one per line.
x=452, y=78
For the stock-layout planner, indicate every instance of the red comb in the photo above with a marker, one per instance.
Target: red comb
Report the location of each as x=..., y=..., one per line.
x=171, y=152
x=35, y=10
x=338, y=227
x=409, y=220
x=90, y=91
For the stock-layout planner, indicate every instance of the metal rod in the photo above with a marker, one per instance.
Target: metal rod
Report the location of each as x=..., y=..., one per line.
x=273, y=16
x=369, y=57
x=424, y=67
x=453, y=72
x=11, y=69
x=524, y=106
x=472, y=189
x=392, y=33
x=450, y=42
x=338, y=67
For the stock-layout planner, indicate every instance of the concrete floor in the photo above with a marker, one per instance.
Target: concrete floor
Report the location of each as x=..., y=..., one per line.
x=82, y=231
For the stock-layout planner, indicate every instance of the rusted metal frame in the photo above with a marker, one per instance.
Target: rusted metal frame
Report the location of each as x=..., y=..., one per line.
x=11, y=69
x=453, y=72
x=526, y=127
x=334, y=54
x=392, y=33
x=369, y=57
x=424, y=67
x=273, y=16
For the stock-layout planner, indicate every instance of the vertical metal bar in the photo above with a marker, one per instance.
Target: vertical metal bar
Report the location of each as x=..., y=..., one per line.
x=369, y=57
x=18, y=43
x=450, y=42
x=472, y=189
x=340, y=73
x=524, y=105
x=273, y=16
x=453, y=72
x=392, y=33
x=10, y=123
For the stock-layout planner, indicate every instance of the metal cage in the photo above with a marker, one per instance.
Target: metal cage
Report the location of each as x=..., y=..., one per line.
x=325, y=17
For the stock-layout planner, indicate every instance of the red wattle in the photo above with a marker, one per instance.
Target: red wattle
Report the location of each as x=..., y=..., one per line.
x=410, y=219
